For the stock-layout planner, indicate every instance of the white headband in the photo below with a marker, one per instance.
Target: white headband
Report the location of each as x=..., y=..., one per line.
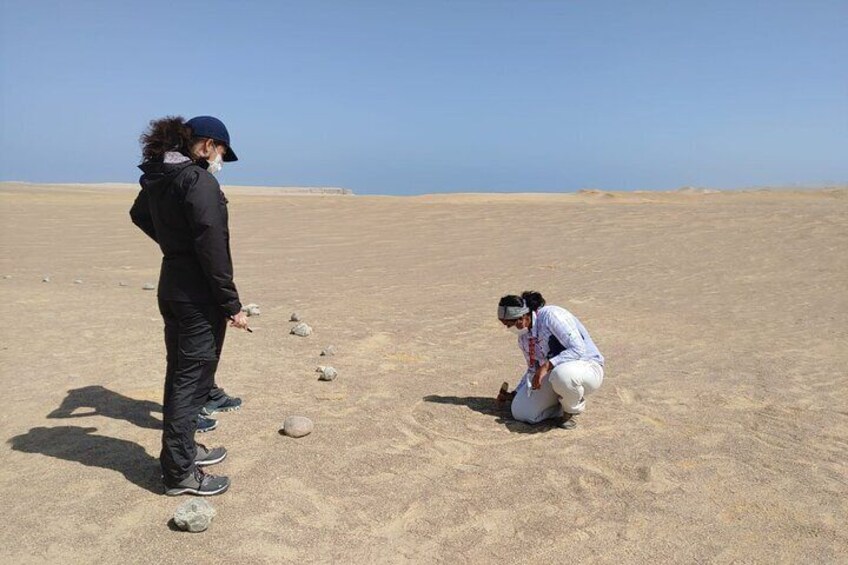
x=512, y=312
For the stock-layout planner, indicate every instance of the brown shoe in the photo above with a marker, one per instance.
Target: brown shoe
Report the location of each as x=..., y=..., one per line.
x=504, y=395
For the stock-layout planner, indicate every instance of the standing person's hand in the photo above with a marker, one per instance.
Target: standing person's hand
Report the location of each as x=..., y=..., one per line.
x=239, y=321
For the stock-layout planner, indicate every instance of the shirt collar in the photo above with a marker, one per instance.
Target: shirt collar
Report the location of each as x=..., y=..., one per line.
x=534, y=330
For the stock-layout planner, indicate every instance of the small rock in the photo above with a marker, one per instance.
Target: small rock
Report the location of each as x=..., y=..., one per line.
x=474, y=383
x=7, y=276
x=251, y=310
x=122, y=283
x=45, y=279
x=295, y=317
x=301, y=329
x=77, y=281
x=149, y=286
x=328, y=351
x=194, y=515
x=297, y=426
x=327, y=373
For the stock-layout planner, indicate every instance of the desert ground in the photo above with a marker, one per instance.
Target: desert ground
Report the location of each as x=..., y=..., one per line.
x=720, y=434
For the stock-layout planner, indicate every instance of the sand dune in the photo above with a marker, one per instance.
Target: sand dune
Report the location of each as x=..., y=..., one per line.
x=720, y=434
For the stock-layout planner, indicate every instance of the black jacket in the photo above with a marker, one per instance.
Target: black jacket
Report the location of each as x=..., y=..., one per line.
x=181, y=207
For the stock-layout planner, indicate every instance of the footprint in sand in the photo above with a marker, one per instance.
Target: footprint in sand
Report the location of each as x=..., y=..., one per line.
x=657, y=477
x=626, y=395
x=586, y=482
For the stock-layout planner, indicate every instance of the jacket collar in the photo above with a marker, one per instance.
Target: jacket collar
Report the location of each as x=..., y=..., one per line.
x=154, y=167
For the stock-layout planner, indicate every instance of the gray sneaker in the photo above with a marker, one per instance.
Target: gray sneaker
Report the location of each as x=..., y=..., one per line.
x=567, y=422
x=206, y=456
x=199, y=483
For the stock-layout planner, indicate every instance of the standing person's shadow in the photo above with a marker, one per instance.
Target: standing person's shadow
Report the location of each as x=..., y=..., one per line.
x=104, y=402
x=73, y=443
x=491, y=407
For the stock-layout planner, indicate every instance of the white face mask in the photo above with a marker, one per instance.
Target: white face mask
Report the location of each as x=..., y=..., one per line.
x=517, y=331
x=216, y=164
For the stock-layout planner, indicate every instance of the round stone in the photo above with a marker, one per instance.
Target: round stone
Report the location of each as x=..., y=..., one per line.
x=149, y=286
x=45, y=279
x=328, y=351
x=295, y=317
x=297, y=426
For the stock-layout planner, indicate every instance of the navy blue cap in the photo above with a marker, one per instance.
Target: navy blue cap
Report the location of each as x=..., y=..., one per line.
x=213, y=128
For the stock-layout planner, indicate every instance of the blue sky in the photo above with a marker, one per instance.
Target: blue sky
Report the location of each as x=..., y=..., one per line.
x=403, y=97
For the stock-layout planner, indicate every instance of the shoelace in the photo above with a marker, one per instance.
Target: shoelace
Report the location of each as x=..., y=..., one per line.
x=203, y=475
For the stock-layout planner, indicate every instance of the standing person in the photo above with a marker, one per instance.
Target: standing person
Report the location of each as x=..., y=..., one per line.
x=182, y=208
x=563, y=363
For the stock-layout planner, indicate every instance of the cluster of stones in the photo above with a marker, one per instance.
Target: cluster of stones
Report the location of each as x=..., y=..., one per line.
x=47, y=279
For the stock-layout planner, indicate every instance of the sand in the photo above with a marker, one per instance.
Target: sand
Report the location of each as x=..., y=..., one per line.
x=720, y=434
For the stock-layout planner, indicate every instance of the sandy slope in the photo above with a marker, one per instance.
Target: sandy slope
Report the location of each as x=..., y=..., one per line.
x=720, y=434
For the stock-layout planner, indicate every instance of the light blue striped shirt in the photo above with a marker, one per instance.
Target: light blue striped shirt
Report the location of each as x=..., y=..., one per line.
x=566, y=328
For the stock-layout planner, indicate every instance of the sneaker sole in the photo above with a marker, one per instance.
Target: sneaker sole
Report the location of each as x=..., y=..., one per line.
x=204, y=430
x=198, y=492
x=206, y=412
x=207, y=462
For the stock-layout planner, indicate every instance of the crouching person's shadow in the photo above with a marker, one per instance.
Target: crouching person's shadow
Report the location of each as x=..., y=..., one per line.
x=491, y=407
x=96, y=400
x=74, y=443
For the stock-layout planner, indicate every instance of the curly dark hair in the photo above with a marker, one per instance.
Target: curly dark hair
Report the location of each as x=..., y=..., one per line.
x=534, y=300
x=165, y=134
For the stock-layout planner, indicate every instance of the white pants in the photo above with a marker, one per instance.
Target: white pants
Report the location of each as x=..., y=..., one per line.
x=564, y=389
x=533, y=406
x=574, y=380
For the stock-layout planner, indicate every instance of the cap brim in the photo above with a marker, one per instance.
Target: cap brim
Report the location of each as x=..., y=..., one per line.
x=230, y=155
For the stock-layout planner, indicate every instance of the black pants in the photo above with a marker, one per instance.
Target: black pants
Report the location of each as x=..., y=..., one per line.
x=194, y=337
x=217, y=393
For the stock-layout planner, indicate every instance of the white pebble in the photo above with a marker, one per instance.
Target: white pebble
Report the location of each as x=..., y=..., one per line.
x=149, y=286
